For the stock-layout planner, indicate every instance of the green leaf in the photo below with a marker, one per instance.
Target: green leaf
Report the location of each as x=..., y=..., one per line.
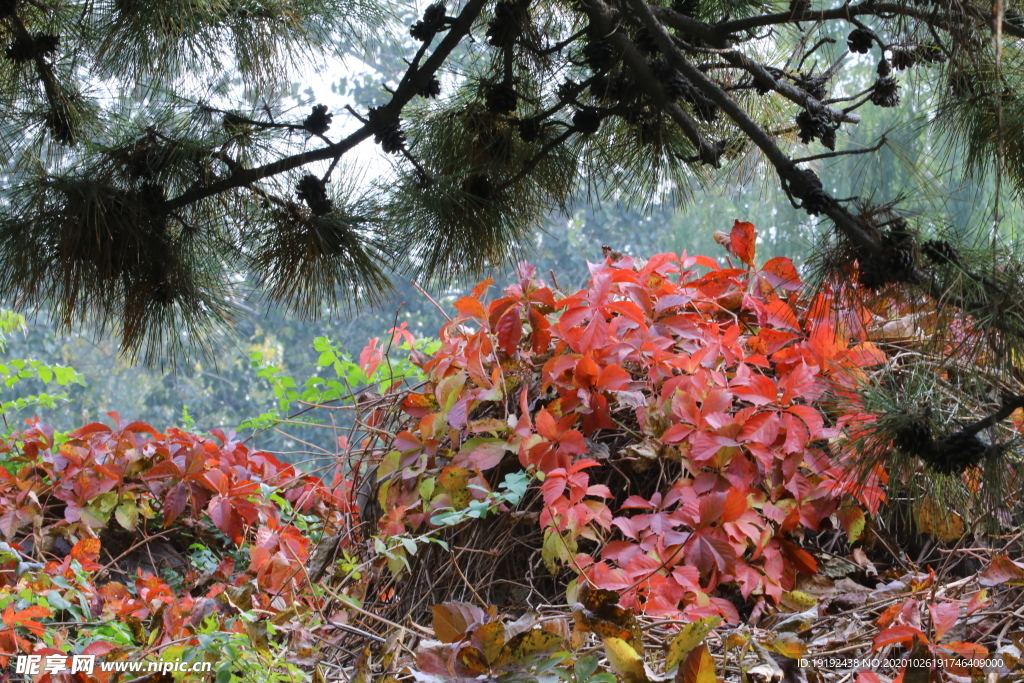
x=127, y=514
x=584, y=668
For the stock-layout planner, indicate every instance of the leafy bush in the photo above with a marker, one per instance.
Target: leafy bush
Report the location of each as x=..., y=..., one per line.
x=696, y=400
x=118, y=505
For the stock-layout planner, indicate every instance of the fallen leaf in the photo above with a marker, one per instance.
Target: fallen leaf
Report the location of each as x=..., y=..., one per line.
x=689, y=637
x=699, y=667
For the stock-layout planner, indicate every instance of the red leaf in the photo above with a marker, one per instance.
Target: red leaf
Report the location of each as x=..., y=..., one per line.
x=1002, y=570
x=371, y=356
x=708, y=553
x=481, y=287
x=902, y=634
x=174, y=503
x=761, y=428
x=222, y=514
x=509, y=330
x=757, y=389
x=780, y=272
x=779, y=314
x=741, y=241
x=944, y=616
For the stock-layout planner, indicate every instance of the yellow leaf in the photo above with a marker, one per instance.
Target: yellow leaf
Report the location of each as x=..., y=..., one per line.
x=798, y=601
x=625, y=661
x=789, y=645
x=940, y=522
x=492, y=639
x=689, y=637
x=528, y=647
x=734, y=640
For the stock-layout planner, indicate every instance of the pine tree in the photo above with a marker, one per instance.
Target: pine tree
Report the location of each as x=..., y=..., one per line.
x=140, y=202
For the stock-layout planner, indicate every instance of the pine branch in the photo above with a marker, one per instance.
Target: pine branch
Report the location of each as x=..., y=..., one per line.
x=793, y=176
x=792, y=93
x=1010, y=404
x=604, y=21
x=413, y=82
x=863, y=9
x=828, y=155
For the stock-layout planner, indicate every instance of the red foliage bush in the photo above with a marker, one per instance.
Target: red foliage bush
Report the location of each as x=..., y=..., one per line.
x=131, y=480
x=722, y=373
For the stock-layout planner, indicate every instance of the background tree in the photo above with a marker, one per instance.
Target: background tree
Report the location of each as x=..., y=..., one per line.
x=148, y=205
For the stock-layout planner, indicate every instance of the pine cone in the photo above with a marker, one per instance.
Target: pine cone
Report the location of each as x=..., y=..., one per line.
x=433, y=20
x=886, y=92
x=587, y=120
x=883, y=68
x=432, y=89
x=955, y=453
x=860, y=41
x=600, y=55
x=318, y=121
x=600, y=87
x=811, y=192
x=28, y=48
x=798, y=7
x=897, y=260
x=676, y=87
x=903, y=59
x=940, y=251
x=622, y=89
x=501, y=99
x=479, y=187
x=688, y=7
x=567, y=90
x=530, y=129
x=509, y=19
x=646, y=43
x=312, y=191
x=661, y=69
x=816, y=126
x=706, y=110
x=387, y=132
x=152, y=196
x=813, y=86
x=914, y=438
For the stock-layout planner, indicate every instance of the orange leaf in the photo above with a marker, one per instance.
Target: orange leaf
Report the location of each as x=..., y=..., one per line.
x=88, y=549
x=467, y=305
x=741, y=242
x=780, y=272
x=698, y=667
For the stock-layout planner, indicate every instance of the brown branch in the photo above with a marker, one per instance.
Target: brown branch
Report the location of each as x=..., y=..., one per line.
x=828, y=155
